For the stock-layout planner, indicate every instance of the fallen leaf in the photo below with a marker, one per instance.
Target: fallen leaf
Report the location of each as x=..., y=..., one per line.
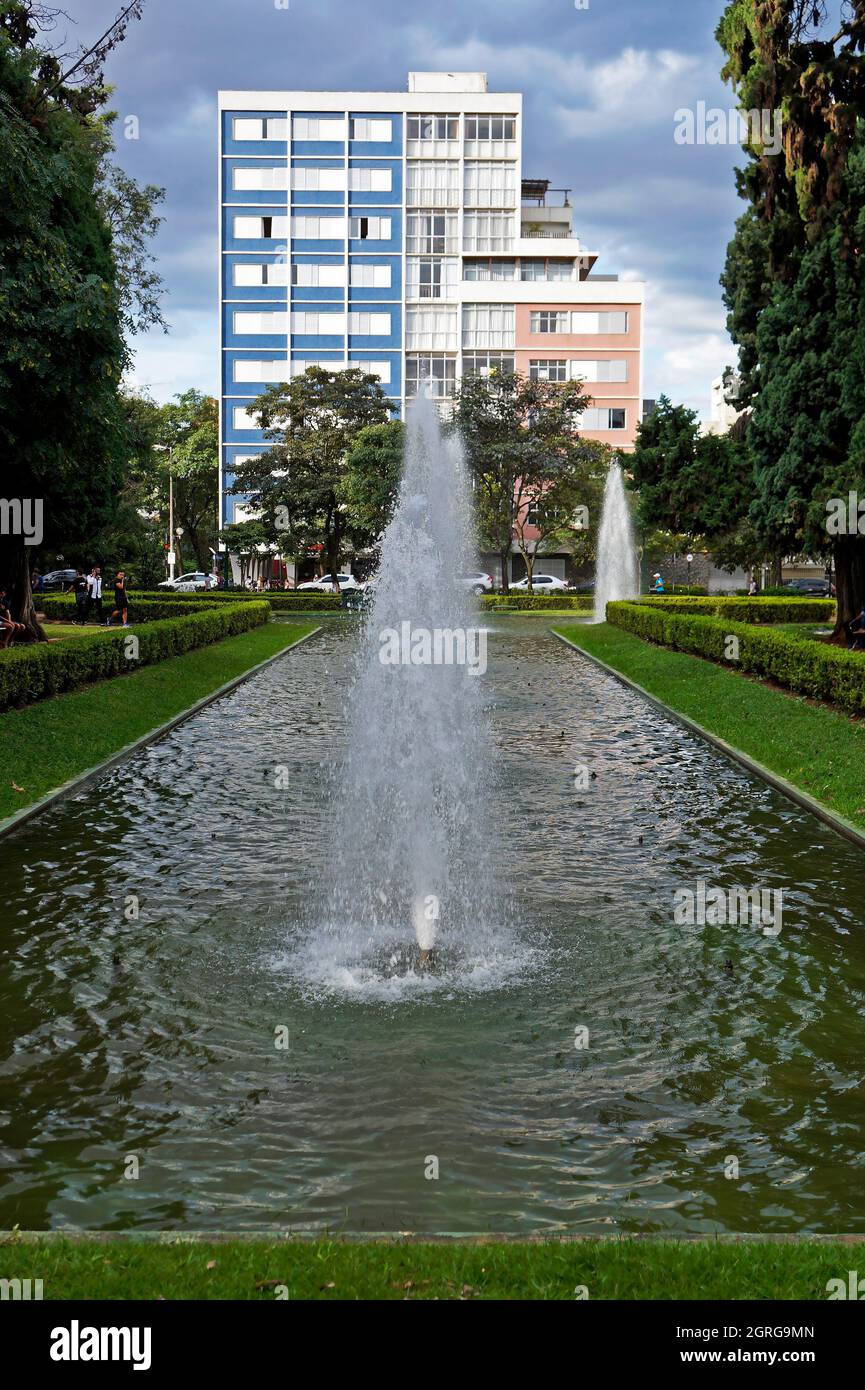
x=211, y=1264
x=327, y=1286
x=16, y=788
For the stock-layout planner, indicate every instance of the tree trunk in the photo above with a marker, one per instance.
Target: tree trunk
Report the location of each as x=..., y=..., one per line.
x=332, y=551
x=775, y=575
x=15, y=579
x=504, y=557
x=849, y=564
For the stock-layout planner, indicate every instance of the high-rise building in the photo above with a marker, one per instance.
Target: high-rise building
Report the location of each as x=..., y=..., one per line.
x=395, y=231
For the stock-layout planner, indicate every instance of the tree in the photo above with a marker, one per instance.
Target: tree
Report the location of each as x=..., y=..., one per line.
x=511, y=428
x=62, y=351
x=563, y=503
x=298, y=485
x=693, y=484
x=189, y=428
x=793, y=282
x=373, y=470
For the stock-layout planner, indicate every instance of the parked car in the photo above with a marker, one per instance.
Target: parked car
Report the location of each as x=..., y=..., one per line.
x=541, y=584
x=478, y=583
x=186, y=583
x=324, y=585
x=811, y=588
x=58, y=579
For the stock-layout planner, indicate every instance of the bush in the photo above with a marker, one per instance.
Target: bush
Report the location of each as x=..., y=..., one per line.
x=750, y=610
x=810, y=668
x=141, y=610
x=583, y=603
x=280, y=600
x=32, y=673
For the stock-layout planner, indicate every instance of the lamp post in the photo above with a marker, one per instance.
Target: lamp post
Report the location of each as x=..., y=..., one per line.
x=164, y=449
x=690, y=560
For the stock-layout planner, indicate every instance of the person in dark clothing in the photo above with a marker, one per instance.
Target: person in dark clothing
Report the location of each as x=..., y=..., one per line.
x=9, y=628
x=78, y=587
x=855, y=631
x=121, y=602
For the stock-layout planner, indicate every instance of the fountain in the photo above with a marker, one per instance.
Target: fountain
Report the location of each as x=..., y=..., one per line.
x=617, y=572
x=412, y=888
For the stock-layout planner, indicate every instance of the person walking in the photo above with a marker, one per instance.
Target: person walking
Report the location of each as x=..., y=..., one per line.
x=121, y=602
x=78, y=587
x=94, y=593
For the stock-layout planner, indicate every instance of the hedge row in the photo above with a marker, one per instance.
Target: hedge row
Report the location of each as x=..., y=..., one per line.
x=584, y=603
x=34, y=672
x=810, y=668
x=280, y=600
x=141, y=610
x=750, y=610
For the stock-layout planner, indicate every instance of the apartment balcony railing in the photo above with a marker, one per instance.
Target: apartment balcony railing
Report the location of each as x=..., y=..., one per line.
x=561, y=233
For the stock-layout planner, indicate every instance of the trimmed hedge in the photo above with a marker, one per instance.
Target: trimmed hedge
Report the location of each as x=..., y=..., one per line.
x=583, y=603
x=140, y=610
x=810, y=668
x=280, y=600
x=32, y=673
x=749, y=610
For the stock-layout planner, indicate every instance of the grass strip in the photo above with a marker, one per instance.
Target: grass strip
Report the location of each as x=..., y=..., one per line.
x=336, y=1270
x=47, y=744
x=818, y=749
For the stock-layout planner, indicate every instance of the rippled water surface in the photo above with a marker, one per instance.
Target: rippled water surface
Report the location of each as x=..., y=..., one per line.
x=156, y=1037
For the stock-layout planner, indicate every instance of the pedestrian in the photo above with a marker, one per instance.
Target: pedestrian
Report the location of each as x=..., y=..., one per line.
x=121, y=602
x=658, y=584
x=78, y=587
x=37, y=583
x=94, y=593
x=752, y=588
x=9, y=628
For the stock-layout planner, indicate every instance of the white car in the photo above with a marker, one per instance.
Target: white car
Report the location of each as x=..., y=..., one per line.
x=186, y=583
x=541, y=584
x=324, y=585
x=478, y=583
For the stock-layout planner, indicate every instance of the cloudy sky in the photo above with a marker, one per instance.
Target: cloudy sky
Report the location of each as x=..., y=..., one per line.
x=601, y=85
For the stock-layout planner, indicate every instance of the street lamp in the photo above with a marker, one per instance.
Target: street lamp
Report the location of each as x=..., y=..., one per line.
x=164, y=449
x=690, y=560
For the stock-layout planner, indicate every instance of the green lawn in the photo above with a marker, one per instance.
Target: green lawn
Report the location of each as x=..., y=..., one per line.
x=47, y=744
x=814, y=747
x=326, y=1269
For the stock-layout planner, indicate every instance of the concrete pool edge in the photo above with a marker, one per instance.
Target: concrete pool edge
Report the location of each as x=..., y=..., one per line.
x=846, y=829
x=306, y=1237
x=11, y=824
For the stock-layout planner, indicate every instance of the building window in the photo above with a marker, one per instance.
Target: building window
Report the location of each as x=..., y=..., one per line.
x=274, y=273
x=251, y=369
x=612, y=419
x=487, y=363
x=305, y=321
x=370, y=180
x=242, y=420
x=600, y=371
x=245, y=322
x=327, y=364
x=548, y=369
x=379, y=369
x=430, y=372
x=490, y=185
x=599, y=323
x=307, y=179
x=260, y=128
x=261, y=179
x=490, y=270
x=433, y=233
x=431, y=328
x=366, y=276
x=431, y=277
x=318, y=128
x=549, y=321
x=491, y=127
x=488, y=325
x=260, y=228
x=369, y=228
x=487, y=231
x=377, y=325
x=369, y=128
x=433, y=127
x=306, y=273
x=318, y=228
x=433, y=183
